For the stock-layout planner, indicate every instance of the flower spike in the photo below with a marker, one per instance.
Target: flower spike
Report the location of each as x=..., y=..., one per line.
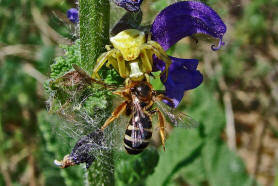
x=72, y=15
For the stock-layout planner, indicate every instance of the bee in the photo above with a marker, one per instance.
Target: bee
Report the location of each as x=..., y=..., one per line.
x=131, y=55
x=140, y=103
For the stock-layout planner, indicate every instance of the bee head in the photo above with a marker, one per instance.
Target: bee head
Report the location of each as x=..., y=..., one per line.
x=142, y=90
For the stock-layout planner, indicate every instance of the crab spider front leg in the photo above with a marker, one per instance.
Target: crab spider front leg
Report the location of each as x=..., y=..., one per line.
x=147, y=62
x=166, y=59
x=121, y=65
x=163, y=56
x=108, y=47
x=100, y=62
x=113, y=61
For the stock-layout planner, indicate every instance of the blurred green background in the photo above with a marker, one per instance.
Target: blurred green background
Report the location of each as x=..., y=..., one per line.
x=236, y=105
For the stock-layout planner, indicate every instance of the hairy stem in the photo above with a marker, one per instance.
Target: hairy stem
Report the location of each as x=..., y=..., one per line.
x=94, y=35
x=94, y=30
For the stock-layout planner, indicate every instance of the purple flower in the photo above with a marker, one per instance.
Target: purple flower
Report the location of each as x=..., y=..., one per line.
x=175, y=22
x=72, y=15
x=130, y=5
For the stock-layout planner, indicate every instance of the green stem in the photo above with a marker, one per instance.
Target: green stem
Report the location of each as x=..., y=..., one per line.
x=94, y=35
x=94, y=30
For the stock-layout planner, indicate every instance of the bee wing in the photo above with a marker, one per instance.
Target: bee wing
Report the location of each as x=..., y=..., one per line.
x=138, y=115
x=137, y=135
x=177, y=119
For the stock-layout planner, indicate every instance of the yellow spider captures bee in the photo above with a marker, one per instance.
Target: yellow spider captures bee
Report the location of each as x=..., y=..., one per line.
x=132, y=55
x=140, y=103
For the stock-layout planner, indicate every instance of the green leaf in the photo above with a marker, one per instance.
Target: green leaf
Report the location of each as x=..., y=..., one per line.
x=182, y=147
x=131, y=170
x=223, y=167
x=206, y=110
x=192, y=174
x=64, y=63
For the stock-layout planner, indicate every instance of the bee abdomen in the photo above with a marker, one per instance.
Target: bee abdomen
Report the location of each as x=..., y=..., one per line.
x=136, y=140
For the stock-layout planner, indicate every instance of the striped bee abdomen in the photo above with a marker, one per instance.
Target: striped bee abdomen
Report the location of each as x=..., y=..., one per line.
x=138, y=133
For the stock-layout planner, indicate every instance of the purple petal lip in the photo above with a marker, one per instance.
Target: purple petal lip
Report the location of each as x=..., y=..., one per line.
x=182, y=75
x=183, y=19
x=72, y=15
x=130, y=5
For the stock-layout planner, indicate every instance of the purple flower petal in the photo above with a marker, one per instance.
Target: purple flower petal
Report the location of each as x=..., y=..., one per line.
x=191, y=64
x=72, y=15
x=176, y=94
x=183, y=19
x=130, y=5
x=182, y=75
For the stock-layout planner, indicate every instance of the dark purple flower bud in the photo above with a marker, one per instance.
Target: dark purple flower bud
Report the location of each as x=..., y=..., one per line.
x=72, y=15
x=84, y=150
x=129, y=5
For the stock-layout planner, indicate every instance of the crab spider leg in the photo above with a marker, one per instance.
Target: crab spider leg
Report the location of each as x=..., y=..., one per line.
x=154, y=50
x=115, y=114
x=157, y=53
x=167, y=60
x=149, y=37
x=147, y=63
x=121, y=65
x=158, y=47
x=112, y=61
x=100, y=62
x=108, y=47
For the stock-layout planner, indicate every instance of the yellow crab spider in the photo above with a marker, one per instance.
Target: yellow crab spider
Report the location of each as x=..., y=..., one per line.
x=132, y=55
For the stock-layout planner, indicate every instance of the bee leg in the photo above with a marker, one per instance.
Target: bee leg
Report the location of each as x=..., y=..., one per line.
x=115, y=114
x=160, y=97
x=161, y=119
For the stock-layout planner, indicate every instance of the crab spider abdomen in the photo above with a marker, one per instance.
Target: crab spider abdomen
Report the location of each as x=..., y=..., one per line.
x=129, y=42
